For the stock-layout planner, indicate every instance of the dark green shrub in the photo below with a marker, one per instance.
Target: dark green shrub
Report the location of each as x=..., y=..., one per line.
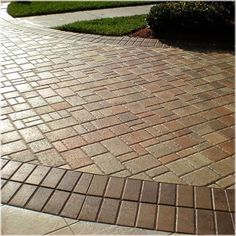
x=191, y=16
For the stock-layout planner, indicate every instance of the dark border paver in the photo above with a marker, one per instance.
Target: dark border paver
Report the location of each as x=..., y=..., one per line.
x=136, y=203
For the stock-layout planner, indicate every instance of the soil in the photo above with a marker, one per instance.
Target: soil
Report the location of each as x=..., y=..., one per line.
x=143, y=33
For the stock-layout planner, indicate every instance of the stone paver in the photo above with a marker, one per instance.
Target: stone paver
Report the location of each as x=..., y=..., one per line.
x=157, y=113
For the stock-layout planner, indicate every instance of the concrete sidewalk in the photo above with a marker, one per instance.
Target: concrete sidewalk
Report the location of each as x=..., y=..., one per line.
x=54, y=20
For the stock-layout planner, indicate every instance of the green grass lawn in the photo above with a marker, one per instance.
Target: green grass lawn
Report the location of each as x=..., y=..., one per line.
x=21, y=9
x=108, y=26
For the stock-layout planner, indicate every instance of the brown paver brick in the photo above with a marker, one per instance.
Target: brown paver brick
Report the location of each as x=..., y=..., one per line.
x=132, y=189
x=53, y=177
x=149, y=192
x=73, y=206
x=56, y=202
x=83, y=183
x=9, y=190
x=167, y=194
x=228, y=147
x=185, y=222
x=69, y=180
x=74, y=142
x=205, y=222
x=23, y=172
x=146, y=216
x=39, y=198
x=219, y=200
x=114, y=187
x=9, y=169
x=108, y=211
x=203, y=198
x=90, y=208
x=37, y=175
x=214, y=154
x=98, y=185
x=231, y=199
x=127, y=213
x=224, y=223
x=166, y=218
x=185, y=197
x=22, y=195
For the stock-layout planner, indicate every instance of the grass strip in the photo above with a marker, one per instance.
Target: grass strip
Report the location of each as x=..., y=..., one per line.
x=34, y=8
x=116, y=26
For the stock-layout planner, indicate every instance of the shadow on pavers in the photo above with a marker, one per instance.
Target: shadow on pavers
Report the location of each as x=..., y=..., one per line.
x=200, y=41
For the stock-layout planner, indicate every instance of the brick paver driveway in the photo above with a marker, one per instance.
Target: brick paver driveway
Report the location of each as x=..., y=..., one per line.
x=150, y=113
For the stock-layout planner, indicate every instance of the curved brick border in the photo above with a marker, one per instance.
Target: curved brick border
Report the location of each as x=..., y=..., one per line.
x=121, y=41
x=121, y=201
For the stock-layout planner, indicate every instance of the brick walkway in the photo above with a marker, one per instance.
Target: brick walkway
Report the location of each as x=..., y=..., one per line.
x=152, y=113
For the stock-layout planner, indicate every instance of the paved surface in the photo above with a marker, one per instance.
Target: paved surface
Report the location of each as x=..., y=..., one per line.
x=121, y=201
x=160, y=114
x=152, y=113
x=53, y=20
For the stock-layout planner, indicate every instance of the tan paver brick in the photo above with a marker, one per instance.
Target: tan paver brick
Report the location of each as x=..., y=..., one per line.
x=127, y=213
x=116, y=146
x=108, y=163
x=76, y=158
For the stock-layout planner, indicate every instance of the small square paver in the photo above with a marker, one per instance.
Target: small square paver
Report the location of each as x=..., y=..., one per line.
x=69, y=180
x=149, y=192
x=90, y=208
x=109, y=211
x=146, y=216
x=53, y=178
x=167, y=194
x=127, y=213
x=185, y=222
x=83, y=183
x=205, y=222
x=114, y=187
x=56, y=202
x=166, y=218
x=73, y=206
x=132, y=189
x=98, y=185
x=39, y=199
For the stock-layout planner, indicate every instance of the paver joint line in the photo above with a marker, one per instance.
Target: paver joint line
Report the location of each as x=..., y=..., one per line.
x=167, y=212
